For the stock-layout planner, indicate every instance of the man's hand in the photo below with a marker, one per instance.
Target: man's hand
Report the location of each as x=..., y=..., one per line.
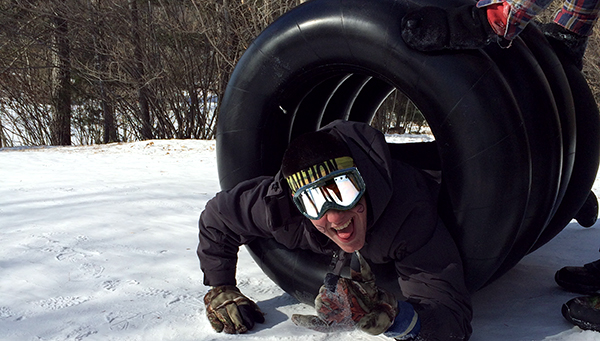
x=346, y=304
x=230, y=311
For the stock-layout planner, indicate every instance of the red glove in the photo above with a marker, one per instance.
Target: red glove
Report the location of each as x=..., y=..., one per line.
x=346, y=304
x=497, y=15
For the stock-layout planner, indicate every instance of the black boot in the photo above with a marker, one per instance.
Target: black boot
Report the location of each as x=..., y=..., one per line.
x=565, y=43
x=588, y=213
x=580, y=279
x=433, y=28
x=583, y=312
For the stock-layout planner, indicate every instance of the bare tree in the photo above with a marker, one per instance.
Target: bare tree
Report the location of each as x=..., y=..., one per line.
x=61, y=80
x=101, y=67
x=138, y=72
x=26, y=65
x=99, y=71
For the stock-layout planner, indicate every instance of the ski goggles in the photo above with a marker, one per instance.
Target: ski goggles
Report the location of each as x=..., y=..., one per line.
x=339, y=190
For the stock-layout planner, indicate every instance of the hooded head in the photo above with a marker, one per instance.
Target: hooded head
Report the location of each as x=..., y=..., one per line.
x=312, y=156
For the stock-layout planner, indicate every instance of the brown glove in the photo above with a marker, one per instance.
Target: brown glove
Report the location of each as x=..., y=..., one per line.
x=229, y=310
x=346, y=304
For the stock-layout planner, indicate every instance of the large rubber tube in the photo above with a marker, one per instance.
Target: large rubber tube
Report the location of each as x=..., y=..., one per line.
x=556, y=78
x=586, y=157
x=330, y=59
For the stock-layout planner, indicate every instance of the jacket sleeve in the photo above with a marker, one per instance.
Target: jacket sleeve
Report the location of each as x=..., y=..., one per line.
x=225, y=224
x=257, y=208
x=432, y=280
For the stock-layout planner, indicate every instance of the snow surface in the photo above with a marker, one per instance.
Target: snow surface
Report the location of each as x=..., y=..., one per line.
x=98, y=243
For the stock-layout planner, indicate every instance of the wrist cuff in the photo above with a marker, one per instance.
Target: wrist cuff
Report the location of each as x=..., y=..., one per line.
x=406, y=325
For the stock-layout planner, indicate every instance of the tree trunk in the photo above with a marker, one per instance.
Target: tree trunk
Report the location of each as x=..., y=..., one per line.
x=2, y=143
x=139, y=72
x=61, y=81
x=108, y=111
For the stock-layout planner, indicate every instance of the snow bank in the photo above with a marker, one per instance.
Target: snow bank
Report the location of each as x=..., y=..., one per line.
x=98, y=243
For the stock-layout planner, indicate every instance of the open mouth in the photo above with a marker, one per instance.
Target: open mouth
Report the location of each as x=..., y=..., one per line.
x=343, y=226
x=345, y=231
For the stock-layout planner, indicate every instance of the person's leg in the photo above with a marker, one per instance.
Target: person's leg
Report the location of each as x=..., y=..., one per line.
x=584, y=311
x=571, y=27
x=578, y=16
x=469, y=26
x=588, y=213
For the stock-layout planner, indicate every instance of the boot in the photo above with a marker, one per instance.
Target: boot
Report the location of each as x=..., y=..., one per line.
x=583, y=312
x=580, y=279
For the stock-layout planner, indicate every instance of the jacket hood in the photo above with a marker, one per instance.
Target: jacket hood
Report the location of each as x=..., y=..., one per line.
x=372, y=157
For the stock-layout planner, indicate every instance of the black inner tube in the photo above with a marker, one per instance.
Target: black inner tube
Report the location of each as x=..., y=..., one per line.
x=331, y=59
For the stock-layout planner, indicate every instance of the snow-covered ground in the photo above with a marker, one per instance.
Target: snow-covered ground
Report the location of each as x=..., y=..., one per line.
x=98, y=243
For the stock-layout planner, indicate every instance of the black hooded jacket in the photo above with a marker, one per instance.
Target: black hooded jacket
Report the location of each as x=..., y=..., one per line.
x=403, y=227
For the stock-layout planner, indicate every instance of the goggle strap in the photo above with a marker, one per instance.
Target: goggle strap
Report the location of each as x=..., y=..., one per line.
x=314, y=173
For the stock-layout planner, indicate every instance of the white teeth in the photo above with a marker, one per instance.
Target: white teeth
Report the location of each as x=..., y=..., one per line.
x=341, y=227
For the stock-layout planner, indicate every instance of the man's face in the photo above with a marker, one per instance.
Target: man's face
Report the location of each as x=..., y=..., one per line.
x=348, y=229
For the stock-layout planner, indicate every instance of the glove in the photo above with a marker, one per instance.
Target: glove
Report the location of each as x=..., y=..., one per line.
x=346, y=304
x=229, y=310
x=432, y=28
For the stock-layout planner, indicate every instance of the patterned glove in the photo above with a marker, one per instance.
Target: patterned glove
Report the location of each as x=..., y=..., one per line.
x=346, y=304
x=230, y=311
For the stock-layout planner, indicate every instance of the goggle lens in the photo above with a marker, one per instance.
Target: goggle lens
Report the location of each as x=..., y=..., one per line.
x=339, y=190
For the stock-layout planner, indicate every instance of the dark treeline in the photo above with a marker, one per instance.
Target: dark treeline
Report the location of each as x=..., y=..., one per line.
x=100, y=71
